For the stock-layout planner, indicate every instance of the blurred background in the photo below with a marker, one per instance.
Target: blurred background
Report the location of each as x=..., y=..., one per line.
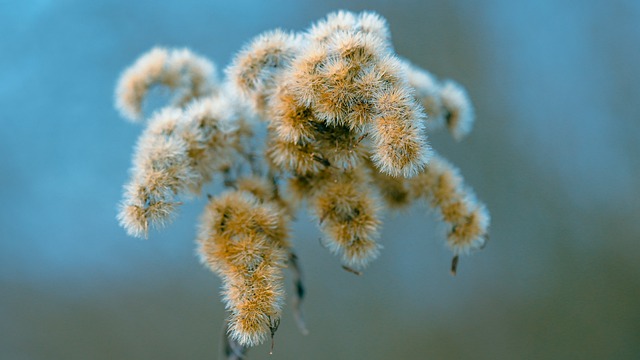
x=555, y=155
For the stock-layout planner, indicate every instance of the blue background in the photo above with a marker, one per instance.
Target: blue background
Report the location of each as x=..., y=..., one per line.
x=555, y=155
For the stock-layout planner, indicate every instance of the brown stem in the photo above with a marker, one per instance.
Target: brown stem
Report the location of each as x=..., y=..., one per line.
x=454, y=265
x=231, y=349
x=352, y=270
x=299, y=293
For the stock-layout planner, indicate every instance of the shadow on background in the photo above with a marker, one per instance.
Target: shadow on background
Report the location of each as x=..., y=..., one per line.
x=554, y=155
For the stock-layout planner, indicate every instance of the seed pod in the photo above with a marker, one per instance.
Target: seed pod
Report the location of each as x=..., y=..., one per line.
x=178, y=153
x=257, y=64
x=459, y=111
x=400, y=148
x=187, y=75
x=161, y=169
x=348, y=216
x=244, y=240
x=291, y=121
x=321, y=31
x=441, y=184
x=427, y=93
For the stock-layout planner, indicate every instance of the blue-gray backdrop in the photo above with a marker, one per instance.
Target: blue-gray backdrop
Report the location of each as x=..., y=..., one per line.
x=554, y=154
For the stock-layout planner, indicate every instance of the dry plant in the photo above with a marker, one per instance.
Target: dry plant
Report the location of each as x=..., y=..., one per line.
x=345, y=121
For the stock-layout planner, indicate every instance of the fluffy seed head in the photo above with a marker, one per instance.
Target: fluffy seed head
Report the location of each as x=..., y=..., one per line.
x=187, y=75
x=391, y=73
x=322, y=30
x=304, y=79
x=343, y=147
x=253, y=69
x=291, y=121
x=358, y=48
x=471, y=232
x=400, y=148
x=348, y=214
x=297, y=158
x=197, y=78
x=243, y=239
x=337, y=92
x=427, y=92
x=161, y=169
x=459, y=111
x=442, y=185
x=372, y=23
x=138, y=212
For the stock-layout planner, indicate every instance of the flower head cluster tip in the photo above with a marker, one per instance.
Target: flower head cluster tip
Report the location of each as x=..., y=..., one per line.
x=243, y=238
x=345, y=122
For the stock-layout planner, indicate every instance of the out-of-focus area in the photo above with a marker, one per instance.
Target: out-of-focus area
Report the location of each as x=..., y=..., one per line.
x=555, y=155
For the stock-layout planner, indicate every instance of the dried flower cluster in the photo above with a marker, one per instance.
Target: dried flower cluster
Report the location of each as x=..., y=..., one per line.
x=346, y=122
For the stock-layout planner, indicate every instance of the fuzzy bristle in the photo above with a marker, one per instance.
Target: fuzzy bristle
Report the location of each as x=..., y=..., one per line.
x=244, y=240
x=348, y=214
x=186, y=74
x=459, y=111
x=441, y=184
x=255, y=67
x=400, y=148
